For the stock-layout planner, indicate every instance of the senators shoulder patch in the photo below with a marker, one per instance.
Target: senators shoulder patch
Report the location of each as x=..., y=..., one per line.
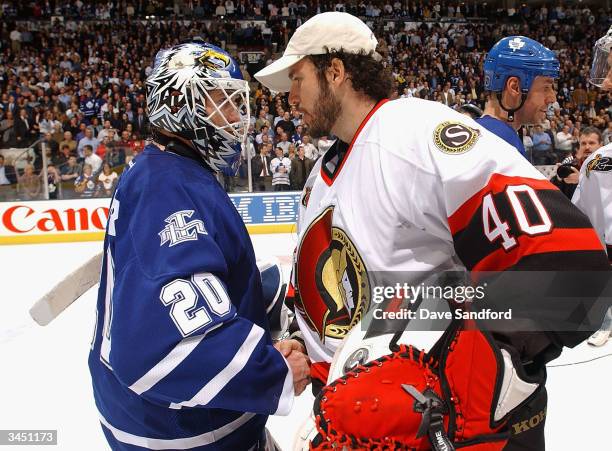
x=454, y=137
x=599, y=164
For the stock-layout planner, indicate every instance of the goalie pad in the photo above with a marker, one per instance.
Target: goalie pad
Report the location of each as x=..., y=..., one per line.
x=443, y=400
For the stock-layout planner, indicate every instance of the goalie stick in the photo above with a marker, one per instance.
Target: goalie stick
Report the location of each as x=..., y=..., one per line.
x=75, y=284
x=67, y=291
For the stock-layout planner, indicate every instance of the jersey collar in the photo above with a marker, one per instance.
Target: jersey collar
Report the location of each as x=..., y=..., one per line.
x=339, y=151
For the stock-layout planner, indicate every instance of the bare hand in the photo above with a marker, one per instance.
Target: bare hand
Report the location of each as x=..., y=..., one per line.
x=573, y=178
x=285, y=347
x=300, y=368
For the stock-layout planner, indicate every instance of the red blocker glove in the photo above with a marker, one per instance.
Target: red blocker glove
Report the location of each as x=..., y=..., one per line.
x=409, y=400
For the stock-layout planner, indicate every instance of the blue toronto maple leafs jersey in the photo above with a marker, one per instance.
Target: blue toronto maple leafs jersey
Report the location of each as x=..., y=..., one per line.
x=504, y=131
x=182, y=356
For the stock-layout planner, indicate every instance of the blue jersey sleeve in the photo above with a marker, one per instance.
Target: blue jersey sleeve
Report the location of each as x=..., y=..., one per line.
x=187, y=323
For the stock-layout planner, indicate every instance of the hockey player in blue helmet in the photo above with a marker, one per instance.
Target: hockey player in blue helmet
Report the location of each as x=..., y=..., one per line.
x=520, y=78
x=182, y=355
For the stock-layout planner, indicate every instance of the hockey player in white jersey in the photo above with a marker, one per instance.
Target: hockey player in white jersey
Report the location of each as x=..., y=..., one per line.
x=182, y=356
x=413, y=187
x=594, y=192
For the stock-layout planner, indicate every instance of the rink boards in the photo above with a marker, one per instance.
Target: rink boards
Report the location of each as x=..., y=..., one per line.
x=85, y=219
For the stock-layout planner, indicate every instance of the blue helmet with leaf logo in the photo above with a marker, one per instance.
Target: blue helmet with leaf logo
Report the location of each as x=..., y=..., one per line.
x=518, y=56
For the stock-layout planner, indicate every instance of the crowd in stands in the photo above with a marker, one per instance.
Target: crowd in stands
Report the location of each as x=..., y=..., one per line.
x=72, y=77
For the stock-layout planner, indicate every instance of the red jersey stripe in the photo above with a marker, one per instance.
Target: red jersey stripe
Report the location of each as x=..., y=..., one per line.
x=558, y=240
x=497, y=184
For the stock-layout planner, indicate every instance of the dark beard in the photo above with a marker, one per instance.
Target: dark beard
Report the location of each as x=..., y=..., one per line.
x=326, y=111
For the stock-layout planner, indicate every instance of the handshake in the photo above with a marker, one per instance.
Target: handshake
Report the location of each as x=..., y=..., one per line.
x=295, y=354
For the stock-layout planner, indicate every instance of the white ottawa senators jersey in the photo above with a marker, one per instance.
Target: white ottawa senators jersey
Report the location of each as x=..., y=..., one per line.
x=594, y=193
x=421, y=188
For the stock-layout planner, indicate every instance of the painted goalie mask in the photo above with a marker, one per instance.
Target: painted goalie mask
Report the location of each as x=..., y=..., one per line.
x=196, y=91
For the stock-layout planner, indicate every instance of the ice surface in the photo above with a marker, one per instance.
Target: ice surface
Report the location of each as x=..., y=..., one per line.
x=45, y=383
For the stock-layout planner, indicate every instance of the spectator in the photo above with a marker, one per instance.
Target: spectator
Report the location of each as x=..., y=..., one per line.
x=247, y=154
x=141, y=122
x=48, y=124
x=24, y=132
x=564, y=143
x=261, y=120
x=107, y=181
x=105, y=147
x=69, y=142
x=8, y=180
x=7, y=130
x=296, y=117
x=61, y=158
x=260, y=168
x=590, y=141
x=310, y=151
x=90, y=158
x=71, y=170
x=87, y=140
x=542, y=147
x=291, y=153
x=591, y=111
x=324, y=144
x=300, y=168
x=78, y=85
x=579, y=96
x=53, y=181
x=85, y=184
x=115, y=154
x=29, y=187
x=15, y=37
x=286, y=124
x=448, y=95
x=264, y=132
x=137, y=146
x=280, y=166
x=58, y=133
x=82, y=132
x=298, y=135
x=283, y=143
x=220, y=11
x=107, y=130
x=279, y=117
x=527, y=143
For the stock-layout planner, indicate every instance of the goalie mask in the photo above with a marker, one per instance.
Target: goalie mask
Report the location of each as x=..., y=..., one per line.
x=601, y=67
x=196, y=91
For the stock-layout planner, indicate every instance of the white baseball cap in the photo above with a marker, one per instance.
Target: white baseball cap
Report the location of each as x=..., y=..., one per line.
x=332, y=30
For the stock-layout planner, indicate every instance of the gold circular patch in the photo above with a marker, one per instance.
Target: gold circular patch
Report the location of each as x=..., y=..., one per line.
x=454, y=137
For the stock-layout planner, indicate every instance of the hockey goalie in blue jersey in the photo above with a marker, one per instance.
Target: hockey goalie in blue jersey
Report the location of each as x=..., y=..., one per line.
x=182, y=356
